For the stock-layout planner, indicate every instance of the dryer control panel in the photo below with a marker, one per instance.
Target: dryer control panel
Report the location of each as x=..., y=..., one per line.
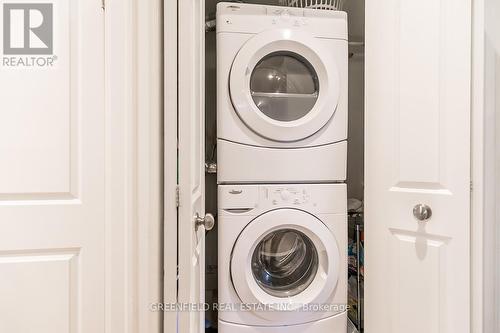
x=253, y=18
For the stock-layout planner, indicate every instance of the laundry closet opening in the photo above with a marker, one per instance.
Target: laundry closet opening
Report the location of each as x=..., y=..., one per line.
x=299, y=253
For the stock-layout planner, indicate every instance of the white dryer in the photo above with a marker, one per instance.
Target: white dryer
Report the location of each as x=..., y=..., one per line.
x=282, y=258
x=282, y=94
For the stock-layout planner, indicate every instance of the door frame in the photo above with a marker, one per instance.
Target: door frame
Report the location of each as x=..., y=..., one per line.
x=170, y=162
x=148, y=57
x=477, y=167
x=134, y=99
x=485, y=138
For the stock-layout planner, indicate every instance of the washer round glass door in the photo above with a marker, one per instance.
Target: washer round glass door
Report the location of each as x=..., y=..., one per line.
x=285, y=259
x=284, y=85
x=285, y=262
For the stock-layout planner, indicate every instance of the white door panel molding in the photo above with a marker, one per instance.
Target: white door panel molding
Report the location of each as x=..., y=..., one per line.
x=418, y=79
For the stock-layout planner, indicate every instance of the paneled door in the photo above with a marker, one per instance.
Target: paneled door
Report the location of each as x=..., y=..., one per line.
x=52, y=167
x=418, y=82
x=191, y=157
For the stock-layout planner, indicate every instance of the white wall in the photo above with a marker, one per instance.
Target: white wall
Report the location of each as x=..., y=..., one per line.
x=490, y=192
x=355, y=163
x=497, y=186
x=492, y=167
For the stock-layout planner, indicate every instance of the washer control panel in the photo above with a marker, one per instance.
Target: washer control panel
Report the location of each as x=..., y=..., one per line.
x=256, y=199
x=287, y=195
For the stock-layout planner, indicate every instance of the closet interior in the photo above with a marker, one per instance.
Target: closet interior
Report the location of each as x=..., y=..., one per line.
x=355, y=160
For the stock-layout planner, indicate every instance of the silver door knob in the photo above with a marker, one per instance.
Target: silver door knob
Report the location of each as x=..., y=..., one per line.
x=206, y=222
x=422, y=212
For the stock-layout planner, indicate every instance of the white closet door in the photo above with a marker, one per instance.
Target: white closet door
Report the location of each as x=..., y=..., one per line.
x=418, y=73
x=52, y=173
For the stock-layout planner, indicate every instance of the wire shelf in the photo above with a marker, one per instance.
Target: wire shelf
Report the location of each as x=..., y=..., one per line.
x=315, y=4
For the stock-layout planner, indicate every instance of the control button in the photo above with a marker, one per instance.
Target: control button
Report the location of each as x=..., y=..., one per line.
x=285, y=195
x=285, y=16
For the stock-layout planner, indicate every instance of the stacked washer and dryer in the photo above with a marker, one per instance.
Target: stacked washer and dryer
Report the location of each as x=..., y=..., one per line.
x=282, y=155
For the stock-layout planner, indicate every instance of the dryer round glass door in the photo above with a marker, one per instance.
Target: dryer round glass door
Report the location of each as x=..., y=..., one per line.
x=284, y=85
x=285, y=259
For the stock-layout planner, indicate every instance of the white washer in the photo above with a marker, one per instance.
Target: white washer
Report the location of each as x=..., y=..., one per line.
x=282, y=258
x=281, y=94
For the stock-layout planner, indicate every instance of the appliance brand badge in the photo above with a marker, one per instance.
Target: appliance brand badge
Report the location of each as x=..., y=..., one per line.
x=28, y=35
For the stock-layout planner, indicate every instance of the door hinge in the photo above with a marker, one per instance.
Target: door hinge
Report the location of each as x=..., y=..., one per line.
x=177, y=196
x=471, y=186
x=103, y=4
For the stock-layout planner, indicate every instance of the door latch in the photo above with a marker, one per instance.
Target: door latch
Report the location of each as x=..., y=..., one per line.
x=422, y=212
